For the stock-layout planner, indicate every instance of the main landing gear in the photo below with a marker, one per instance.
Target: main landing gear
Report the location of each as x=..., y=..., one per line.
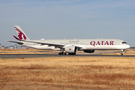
x=63, y=53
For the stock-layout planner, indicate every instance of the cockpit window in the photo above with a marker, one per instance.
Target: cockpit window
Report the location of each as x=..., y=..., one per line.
x=124, y=43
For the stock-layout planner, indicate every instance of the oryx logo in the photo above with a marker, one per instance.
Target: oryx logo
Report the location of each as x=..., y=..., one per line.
x=20, y=34
x=69, y=49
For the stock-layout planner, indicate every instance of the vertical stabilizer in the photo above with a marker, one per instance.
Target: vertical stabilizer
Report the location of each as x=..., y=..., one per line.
x=20, y=33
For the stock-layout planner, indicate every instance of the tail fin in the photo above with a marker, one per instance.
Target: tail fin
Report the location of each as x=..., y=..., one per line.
x=20, y=33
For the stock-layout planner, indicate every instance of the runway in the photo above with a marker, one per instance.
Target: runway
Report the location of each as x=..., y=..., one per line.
x=8, y=56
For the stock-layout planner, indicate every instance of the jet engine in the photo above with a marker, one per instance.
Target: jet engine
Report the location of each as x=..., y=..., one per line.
x=71, y=50
x=89, y=51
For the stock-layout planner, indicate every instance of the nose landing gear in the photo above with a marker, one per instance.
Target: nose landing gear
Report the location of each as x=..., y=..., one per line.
x=121, y=53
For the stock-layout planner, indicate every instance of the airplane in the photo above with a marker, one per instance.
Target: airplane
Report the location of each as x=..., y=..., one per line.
x=70, y=46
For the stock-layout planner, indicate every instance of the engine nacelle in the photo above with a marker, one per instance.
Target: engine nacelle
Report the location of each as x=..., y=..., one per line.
x=89, y=51
x=70, y=49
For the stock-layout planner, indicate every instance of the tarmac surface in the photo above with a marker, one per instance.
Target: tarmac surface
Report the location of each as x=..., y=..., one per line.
x=8, y=56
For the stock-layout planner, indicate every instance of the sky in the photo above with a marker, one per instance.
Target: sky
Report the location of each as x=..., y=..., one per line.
x=68, y=19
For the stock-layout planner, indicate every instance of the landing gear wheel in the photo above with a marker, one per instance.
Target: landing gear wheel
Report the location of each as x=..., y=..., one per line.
x=62, y=53
x=121, y=54
x=65, y=53
x=71, y=53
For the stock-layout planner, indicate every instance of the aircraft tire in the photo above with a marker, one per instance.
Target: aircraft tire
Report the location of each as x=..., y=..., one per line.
x=71, y=53
x=60, y=53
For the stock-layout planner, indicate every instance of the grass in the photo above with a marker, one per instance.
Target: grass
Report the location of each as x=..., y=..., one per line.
x=72, y=73
x=26, y=51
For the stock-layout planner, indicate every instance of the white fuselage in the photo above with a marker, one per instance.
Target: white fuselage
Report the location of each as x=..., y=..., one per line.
x=84, y=44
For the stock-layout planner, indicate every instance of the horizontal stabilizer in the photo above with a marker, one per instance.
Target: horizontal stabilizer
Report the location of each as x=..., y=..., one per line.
x=16, y=38
x=16, y=42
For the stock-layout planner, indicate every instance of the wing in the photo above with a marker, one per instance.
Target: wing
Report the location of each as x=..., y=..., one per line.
x=57, y=45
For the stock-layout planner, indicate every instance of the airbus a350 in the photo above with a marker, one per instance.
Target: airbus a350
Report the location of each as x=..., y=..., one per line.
x=70, y=46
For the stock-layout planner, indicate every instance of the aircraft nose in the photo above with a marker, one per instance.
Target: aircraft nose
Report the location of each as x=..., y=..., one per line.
x=127, y=46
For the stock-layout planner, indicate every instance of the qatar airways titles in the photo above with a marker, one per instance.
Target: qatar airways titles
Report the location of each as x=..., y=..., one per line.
x=93, y=43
